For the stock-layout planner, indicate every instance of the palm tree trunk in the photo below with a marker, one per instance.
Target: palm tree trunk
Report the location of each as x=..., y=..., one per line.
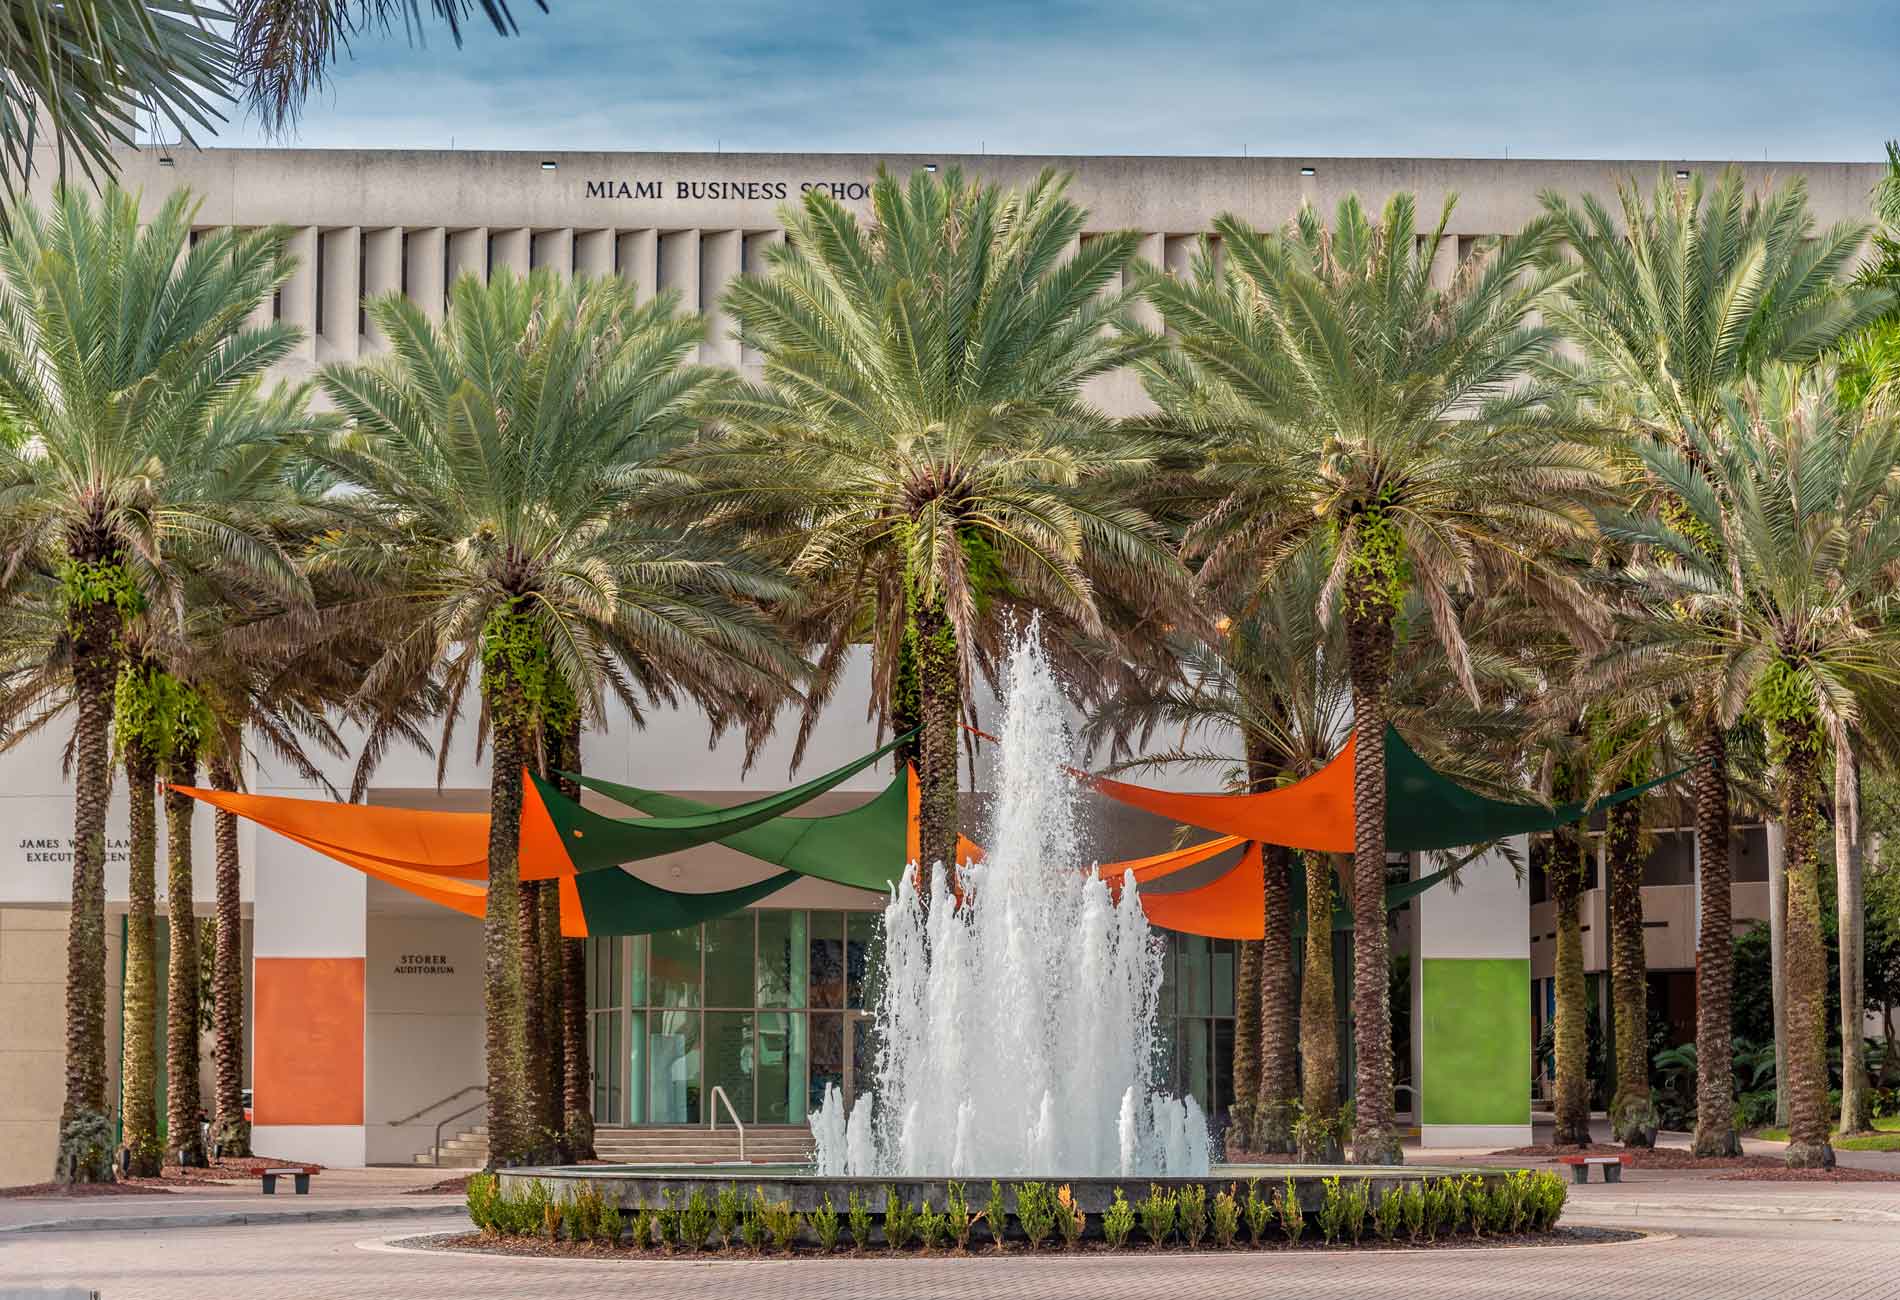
x=1318, y=1127
x=553, y=1070
x=510, y=1135
x=1715, y=954
x=940, y=681
x=1246, y=1086
x=1808, y=1146
x=1777, y=836
x=1572, y=1103
x=1278, y=1093
x=577, y=1126
x=1369, y=643
x=138, y=1061
x=1857, y=1110
x=1632, y=1116
x=230, y=1131
x=183, y=1103
x=85, y=1132
x=534, y=1028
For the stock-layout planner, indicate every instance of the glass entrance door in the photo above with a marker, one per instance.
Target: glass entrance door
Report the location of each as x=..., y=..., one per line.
x=860, y=1056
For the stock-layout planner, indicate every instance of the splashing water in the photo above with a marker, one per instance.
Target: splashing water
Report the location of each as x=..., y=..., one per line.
x=1017, y=1031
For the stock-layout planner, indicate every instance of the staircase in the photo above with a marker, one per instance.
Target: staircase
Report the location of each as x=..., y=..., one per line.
x=673, y=1144
x=695, y=1144
x=467, y=1149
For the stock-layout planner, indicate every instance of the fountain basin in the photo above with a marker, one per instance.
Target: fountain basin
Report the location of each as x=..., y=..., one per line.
x=632, y=1185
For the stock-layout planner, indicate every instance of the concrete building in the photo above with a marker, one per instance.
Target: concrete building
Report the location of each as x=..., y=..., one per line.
x=366, y=1018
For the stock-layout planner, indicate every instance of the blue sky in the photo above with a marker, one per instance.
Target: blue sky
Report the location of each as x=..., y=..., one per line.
x=1613, y=79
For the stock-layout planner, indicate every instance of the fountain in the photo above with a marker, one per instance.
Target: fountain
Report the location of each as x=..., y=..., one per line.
x=1016, y=1027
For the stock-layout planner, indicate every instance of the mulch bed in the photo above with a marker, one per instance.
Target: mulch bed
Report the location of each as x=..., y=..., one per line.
x=457, y=1185
x=35, y=1190
x=221, y=1172
x=540, y=1248
x=1647, y=1157
x=1839, y=1174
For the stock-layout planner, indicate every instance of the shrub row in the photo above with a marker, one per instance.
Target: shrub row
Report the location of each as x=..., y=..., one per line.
x=1419, y=1211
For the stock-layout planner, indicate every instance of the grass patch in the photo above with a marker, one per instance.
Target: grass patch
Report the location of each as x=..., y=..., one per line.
x=1887, y=1139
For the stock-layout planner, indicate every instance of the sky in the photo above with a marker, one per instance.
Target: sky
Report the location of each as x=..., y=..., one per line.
x=1688, y=79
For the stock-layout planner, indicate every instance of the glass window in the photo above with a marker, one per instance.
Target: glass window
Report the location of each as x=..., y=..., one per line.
x=1224, y=977
x=731, y=1062
x=1197, y=1061
x=607, y=1076
x=637, y=969
x=827, y=959
x=782, y=1059
x=1223, y=1081
x=862, y=952
x=636, y=1067
x=827, y=1058
x=1195, y=975
x=673, y=1066
x=1166, y=1004
x=675, y=978
x=729, y=942
x=783, y=952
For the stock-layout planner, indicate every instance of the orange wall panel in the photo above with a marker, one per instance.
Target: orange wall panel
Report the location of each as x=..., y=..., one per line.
x=308, y=1036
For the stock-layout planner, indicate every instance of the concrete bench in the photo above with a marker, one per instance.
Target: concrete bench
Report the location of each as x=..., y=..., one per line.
x=1580, y=1167
x=299, y=1175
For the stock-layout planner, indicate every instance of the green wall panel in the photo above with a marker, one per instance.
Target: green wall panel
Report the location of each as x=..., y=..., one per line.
x=1476, y=1044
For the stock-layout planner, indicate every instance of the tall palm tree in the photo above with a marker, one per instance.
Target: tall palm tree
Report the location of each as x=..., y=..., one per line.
x=492, y=470
x=1677, y=299
x=84, y=72
x=1360, y=410
x=119, y=340
x=922, y=440
x=1768, y=590
x=141, y=712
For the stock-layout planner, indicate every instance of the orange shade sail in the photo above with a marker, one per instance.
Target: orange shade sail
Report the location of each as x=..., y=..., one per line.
x=1230, y=907
x=1162, y=865
x=1314, y=814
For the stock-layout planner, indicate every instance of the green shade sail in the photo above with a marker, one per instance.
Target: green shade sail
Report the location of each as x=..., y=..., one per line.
x=594, y=842
x=1424, y=810
x=865, y=847
x=617, y=903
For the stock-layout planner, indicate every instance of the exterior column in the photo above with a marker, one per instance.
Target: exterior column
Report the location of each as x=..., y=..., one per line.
x=468, y=254
x=340, y=292
x=382, y=273
x=593, y=252
x=638, y=253
x=720, y=255
x=554, y=249
x=307, y=970
x=1471, y=1022
x=300, y=291
x=678, y=266
x=426, y=252
x=509, y=248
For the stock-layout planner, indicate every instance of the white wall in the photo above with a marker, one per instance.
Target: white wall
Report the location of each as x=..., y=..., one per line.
x=423, y=1037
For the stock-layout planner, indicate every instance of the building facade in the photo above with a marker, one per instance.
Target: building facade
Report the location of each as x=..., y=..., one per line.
x=365, y=1005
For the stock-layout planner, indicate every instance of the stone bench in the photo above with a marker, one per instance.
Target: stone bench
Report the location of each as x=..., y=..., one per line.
x=299, y=1174
x=1580, y=1167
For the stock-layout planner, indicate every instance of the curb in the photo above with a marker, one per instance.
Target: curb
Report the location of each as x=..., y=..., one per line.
x=233, y=1218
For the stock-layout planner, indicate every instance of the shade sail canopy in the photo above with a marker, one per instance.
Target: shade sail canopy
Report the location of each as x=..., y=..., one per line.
x=1315, y=813
x=1162, y=865
x=1231, y=906
x=1423, y=809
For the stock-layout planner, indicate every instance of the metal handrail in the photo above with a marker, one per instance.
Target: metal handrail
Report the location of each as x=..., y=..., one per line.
x=440, y=1101
x=712, y=1116
x=435, y=1148
x=1406, y=1087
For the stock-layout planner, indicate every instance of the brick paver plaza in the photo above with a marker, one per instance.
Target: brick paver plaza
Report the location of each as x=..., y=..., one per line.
x=1757, y=1240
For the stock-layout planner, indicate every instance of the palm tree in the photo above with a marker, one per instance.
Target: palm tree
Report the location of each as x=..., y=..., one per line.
x=922, y=443
x=1359, y=410
x=141, y=714
x=84, y=72
x=491, y=473
x=1766, y=592
x=117, y=341
x=1675, y=302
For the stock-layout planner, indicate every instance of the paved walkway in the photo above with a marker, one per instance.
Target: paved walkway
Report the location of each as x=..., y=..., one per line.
x=1767, y=1252
x=334, y=1194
